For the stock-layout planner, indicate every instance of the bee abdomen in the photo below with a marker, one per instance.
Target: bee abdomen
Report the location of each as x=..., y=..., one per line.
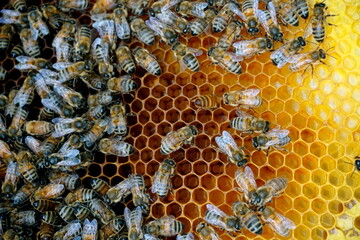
x=191, y=62
x=4, y=43
x=197, y=27
x=235, y=68
x=291, y=18
x=319, y=32
x=219, y=24
x=128, y=65
x=253, y=224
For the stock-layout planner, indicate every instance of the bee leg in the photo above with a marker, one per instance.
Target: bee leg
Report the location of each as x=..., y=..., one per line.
x=230, y=234
x=282, y=149
x=267, y=151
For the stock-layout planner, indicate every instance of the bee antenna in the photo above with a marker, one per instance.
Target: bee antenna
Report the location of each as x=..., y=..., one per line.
x=352, y=173
x=180, y=154
x=348, y=163
x=312, y=43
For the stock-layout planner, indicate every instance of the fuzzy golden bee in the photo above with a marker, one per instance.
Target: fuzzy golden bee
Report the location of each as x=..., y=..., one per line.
x=247, y=217
x=174, y=140
x=167, y=34
x=194, y=9
x=122, y=84
x=248, y=15
x=38, y=27
x=80, y=195
x=142, y=31
x=218, y=218
x=200, y=25
x=119, y=192
x=115, y=147
x=226, y=60
x=269, y=22
x=246, y=122
x=208, y=101
x=232, y=32
x=19, y=5
x=162, y=178
x=247, y=98
x=248, y=48
x=30, y=45
x=283, y=54
x=206, y=232
x=101, y=210
x=186, y=56
x=146, y=60
x=134, y=221
x=275, y=137
x=277, y=222
x=118, y=122
x=112, y=228
x=38, y=127
x=125, y=60
x=83, y=41
x=166, y=226
x=6, y=32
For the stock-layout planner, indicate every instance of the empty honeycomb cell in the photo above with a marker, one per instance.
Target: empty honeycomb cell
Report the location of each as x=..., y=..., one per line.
x=276, y=105
x=140, y=168
x=200, y=168
x=150, y=81
x=216, y=197
x=310, y=162
x=111, y=158
x=319, y=177
x=336, y=178
x=94, y=170
x=267, y=172
x=318, y=149
x=143, y=93
x=336, y=150
x=177, y=181
x=328, y=192
x=276, y=159
x=344, y=193
x=319, y=233
x=302, y=232
x=193, y=154
x=140, y=142
x=157, y=116
x=166, y=79
x=208, y=182
x=261, y=80
x=310, y=190
x=157, y=210
x=310, y=219
x=174, y=91
x=352, y=122
x=209, y=154
x=183, y=196
x=190, y=91
x=182, y=79
x=293, y=189
x=308, y=135
x=109, y=170
x=335, y=207
x=299, y=121
x=152, y=167
x=254, y=68
x=146, y=155
x=268, y=93
x=149, y=129
x=230, y=79
x=143, y=117
x=232, y=197
x=172, y=116
x=225, y=183
x=283, y=203
x=216, y=168
x=318, y=205
x=188, y=115
x=173, y=209
x=204, y=116
x=154, y=142
x=292, y=160
x=150, y=104
x=191, y=181
x=357, y=223
x=326, y=134
x=183, y=167
x=165, y=103
x=136, y=106
x=191, y=210
x=198, y=78
x=220, y=115
x=211, y=128
x=292, y=106
x=343, y=136
x=327, y=220
x=158, y=91
x=169, y=57
x=301, y=148
x=199, y=196
x=202, y=141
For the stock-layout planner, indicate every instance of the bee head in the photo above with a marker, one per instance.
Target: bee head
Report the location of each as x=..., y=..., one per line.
x=242, y=162
x=267, y=127
x=194, y=130
x=321, y=5
x=67, y=111
x=278, y=36
x=175, y=45
x=322, y=54
x=151, y=12
x=253, y=30
x=357, y=164
x=170, y=162
x=301, y=41
x=255, y=142
x=225, y=98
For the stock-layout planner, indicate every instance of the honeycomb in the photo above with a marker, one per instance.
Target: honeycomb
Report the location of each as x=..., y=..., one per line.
x=321, y=111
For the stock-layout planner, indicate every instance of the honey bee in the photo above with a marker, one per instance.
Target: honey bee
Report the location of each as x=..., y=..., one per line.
x=206, y=232
x=95, y=113
x=99, y=185
x=105, y=25
x=8, y=102
x=101, y=210
x=140, y=197
x=118, y=123
x=30, y=45
x=67, y=5
x=53, y=15
x=142, y=31
x=276, y=138
x=357, y=165
x=166, y=226
x=64, y=34
x=222, y=19
x=38, y=27
x=80, y=195
x=46, y=231
x=225, y=59
x=248, y=217
x=302, y=8
x=122, y=84
x=14, y=17
x=162, y=178
x=28, y=63
x=92, y=80
x=200, y=25
x=70, y=231
x=170, y=18
x=208, y=101
x=102, y=57
x=268, y=20
x=194, y=9
x=12, y=177
x=43, y=205
x=287, y=12
x=137, y=7
x=49, y=145
x=278, y=223
x=81, y=212
x=246, y=98
x=6, y=32
x=248, y=15
x=83, y=41
x=112, y=228
x=64, y=126
x=55, y=103
x=316, y=25
x=302, y=61
x=71, y=181
x=232, y=32
x=10, y=234
x=38, y=127
x=121, y=24
x=5, y=153
x=188, y=236
x=26, y=168
x=101, y=6
x=100, y=98
x=69, y=71
x=3, y=73
x=134, y=222
x=73, y=98
x=51, y=218
x=248, y=48
x=146, y=60
x=23, y=194
x=17, y=121
x=16, y=51
x=19, y=5
x=25, y=94
x=124, y=58
x=218, y=218
x=175, y=139
x=229, y=147
x=96, y=131
x=50, y=191
x=119, y=192
x=23, y=218
x=248, y=123
x=186, y=56
x=159, y=6
x=167, y=34
x=282, y=55
x=90, y=230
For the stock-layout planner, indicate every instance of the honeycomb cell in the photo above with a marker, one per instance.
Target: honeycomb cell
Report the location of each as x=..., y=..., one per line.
x=143, y=93
x=157, y=210
x=336, y=178
x=152, y=167
x=310, y=162
x=310, y=190
x=327, y=220
x=166, y=79
x=283, y=119
x=319, y=233
x=211, y=128
x=292, y=160
x=136, y=106
x=199, y=196
x=172, y=116
x=293, y=189
x=183, y=196
x=276, y=159
x=292, y=106
x=150, y=81
x=193, y=154
x=191, y=181
x=150, y=104
x=198, y=78
x=267, y=173
x=302, y=232
x=318, y=205
x=146, y=155
x=232, y=197
x=224, y=183
x=200, y=168
x=268, y=93
x=182, y=79
x=154, y=142
x=345, y=193
x=140, y=142
x=208, y=182
x=157, y=116
x=173, y=209
x=188, y=115
x=158, y=91
x=184, y=167
x=191, y=210
x=166, y=103
x=283, y=203
x=190, y=90
x=216, y=168
x=173, y=91
x=318, y=149
x=326, y=134
x=94, y=170
x=204, y=116
x=181, y=103
x=302, y=175
x=310, y=219
x=335, y=207
x=216, y=197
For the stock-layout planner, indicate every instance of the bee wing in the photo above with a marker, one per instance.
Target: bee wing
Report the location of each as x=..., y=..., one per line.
x=199, y=8
x=99, y=17
x=272, y=11
x=62, y=120
x=69, y=162
x=214, y=236
x=235, y=57
x=50, y=77
x=167, y=16
x=127, y=214
x=286, y=222
x=8, y=12
x=62, y=132
x=277, y=132
x=212, y=208
x=262, y=18
x=243, y=44
x=235, y=9
x=155, y=184
x=34, y=32
x=241, y=113
x=74, y=228
x=49, y=104
x=22, y=96
x=24, y=59
x=256, y=4
x=149, y=237
x=229, y=139
x=195, y=51
x=138, y=217
x=251, y=92
x=190, y=236
x=63, y=51
x=308, y=30
x=25, y=66
x=122, y=29
x=299, y=57
x=250, y=176
x=278, y=52
x=61, y=65
x=153, y=23
x=220, y=141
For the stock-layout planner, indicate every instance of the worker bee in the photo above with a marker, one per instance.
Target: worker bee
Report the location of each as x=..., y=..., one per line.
x=30, y=45
x=83, y=41
x=302, y=8
x=10, y=234
x=8, y=102
x=167, y=34
x=248, y=48
x=166, y=226
x=51, y=218
x=134, y=222
x=53, y=15
x=119, y=192
x=99, y=185
x=80, y=195
x=23, y=218
x=137, y=7
x=101, y=6
x=69, y=71
x=146, y=60
x=218, y=218
x=199, y=25
x=276, y=137
x=232, y=32
x=71, y=181
x=38, y=27
x=38, y=127
x=49, y=145
x=101, y=53
x=14, y=17
x=6, y=32
x=81, y=212
x=302, y=61
x=29, y=63
x=73, y=98
x=175, y=139
x=278, y=223
x=229, y=147
x=12, y=177
x=92, y=80
x=316, y=25
x=246, y=98
x=17, y=121
x=61, y=40
x=67, y=5
x=194, y=9
x=248, y=15
x=96, y=131
x=159, y=6
x=287, y=12
x=170, y=18
x=101, y=210
x=225, y=59
x=50, y=191
x=100, y=98
x=64, y=126
x=140, y=197
x=247, y=217
x=23, y=194
x=186, y=56
x=105, y=25
x=357, y=165
x=19, y=5
x=124, y=58
x=112, y=228
x=90, y=230
x=3, y=73
x=122, y=84
x=206, y=232
x=55, y=103
x=4, y=101
x=25, y=94
x=45, y=232
x=5, y=153
x=43, y=205
x=26, y=168
x=222, y=19
x=142, y=31
x=118, y=123
x=162, y=178
x=95, y=113
x=248, y=123
x=16, y=51
x=282, y=55
x=208, y=101
x=268, y=20
x=69, y=231
x=188, y=236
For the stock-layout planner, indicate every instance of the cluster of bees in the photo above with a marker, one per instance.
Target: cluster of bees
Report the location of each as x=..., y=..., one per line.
x=41, y=194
